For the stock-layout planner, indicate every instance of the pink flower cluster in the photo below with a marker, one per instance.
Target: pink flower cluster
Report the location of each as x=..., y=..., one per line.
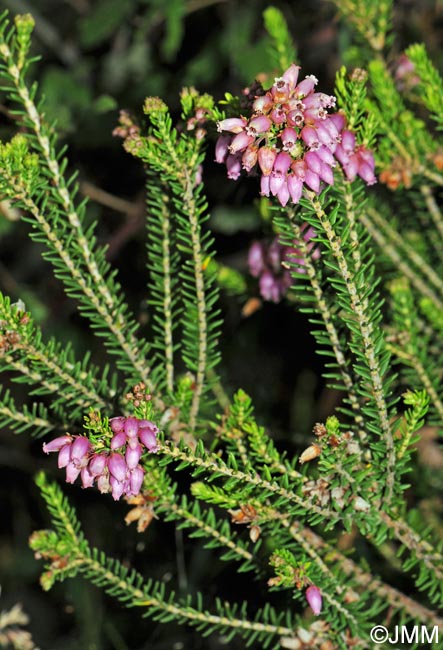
x=113, y=471
x=269, y=262
x=292, y=140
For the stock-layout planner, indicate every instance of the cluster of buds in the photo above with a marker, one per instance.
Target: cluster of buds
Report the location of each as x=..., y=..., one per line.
x=127, y=128
x=114, y=472
x=331, y=436
x=293, y=140
x=197, y=122
x=270, y=262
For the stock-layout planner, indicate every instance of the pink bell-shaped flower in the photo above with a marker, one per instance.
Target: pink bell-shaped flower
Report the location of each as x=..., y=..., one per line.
x=313, y=596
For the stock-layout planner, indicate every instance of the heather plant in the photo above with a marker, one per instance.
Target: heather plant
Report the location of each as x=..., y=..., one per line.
x=338, y=538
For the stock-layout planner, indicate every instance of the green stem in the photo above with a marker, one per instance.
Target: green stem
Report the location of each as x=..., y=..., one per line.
x=424, y=551
x=115, y=321
x=331, y=330
x=26, y=419
x=214, y=465
x=359, y=307
x=78, y=277
x=365, y=580
x=414, y=257
x=137, y=597
x=414, y=362
x=210, y=531
x=190, y=209
x=167, y=298
x=390, y=248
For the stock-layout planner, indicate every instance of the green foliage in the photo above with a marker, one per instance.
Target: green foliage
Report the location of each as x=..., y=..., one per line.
x=351, y=93
x=372, y=21
x=50, y=368
x=59, y=221
x=282, y=51
x=243, y=492
x=430, y=81
x=97, y=26
x=178, y=160
x=69, y=554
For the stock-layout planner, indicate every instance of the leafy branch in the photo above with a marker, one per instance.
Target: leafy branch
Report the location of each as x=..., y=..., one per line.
x=91, y=279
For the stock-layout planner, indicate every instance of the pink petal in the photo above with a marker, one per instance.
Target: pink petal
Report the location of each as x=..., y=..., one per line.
x=56, y=444
x=117, y=466
x=132, y=456
x=149, y=439
x=118, y=440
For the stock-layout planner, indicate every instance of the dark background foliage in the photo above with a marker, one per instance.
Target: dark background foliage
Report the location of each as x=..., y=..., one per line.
x=99, y=56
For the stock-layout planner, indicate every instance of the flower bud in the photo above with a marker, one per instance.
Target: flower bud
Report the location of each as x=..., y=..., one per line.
x=295, y=187
x=313, y=451
x=132, y=456
x=64, y=456
x=232, y=124
x=312, y=180
x=80, y=447
x=326, y=174
x=264, y=186
x=103, y=483
x=306, y=86
x=117, y=466
x=117, y=488
x=136, y=479
x=266, y=159
x=256, y=260
x=233, y=166
x=87, y=478
x=262, y=104
x=283, y=193
x=118, y=440
x=249, y=157
x=309, y=136
x=221, y=148
x=147, y=424
x=348, y=141
x=269, y=287
x=240, y=142
x=72, y=472
x=131, y=427
x=291, y=75
x=367, y=174
x=257, y=125
x=148, y=438
x=254, y=533
x=97, y=464
x=339, y=121
x=56, y=444
x=313, y=161
x=313, y=596
x=117, y=424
